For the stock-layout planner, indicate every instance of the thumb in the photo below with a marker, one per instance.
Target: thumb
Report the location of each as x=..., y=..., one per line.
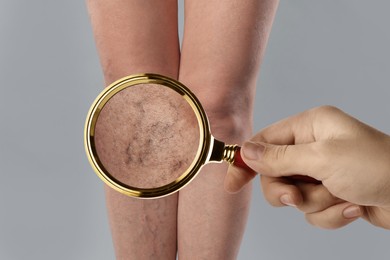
x=282, y=160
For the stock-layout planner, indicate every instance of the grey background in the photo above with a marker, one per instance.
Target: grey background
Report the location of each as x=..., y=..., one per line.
x=52, y=204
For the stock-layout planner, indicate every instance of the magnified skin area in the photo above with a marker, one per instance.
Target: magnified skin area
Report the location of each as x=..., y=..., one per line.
x=145, y=136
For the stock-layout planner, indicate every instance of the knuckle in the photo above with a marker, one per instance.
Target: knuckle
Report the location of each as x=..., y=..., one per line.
x=322, y=197
x=316, y=221
x=273, y=202
x=309, y=219
x=322, y=155
x=267, y=194
x=276, y=153
x=326, y=109
x=270, y=196
x=273, y=156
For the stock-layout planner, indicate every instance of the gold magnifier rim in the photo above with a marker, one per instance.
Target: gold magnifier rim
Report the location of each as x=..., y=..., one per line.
x=203, y=151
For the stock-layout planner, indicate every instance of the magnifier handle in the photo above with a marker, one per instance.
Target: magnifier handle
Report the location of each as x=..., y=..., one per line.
x=239, y=162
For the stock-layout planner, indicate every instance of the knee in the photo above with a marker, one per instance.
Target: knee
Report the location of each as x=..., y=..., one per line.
x=228, y=102
x=230, y=121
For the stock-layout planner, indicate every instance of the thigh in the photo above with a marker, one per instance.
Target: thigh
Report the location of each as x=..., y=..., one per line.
x=134, y=36
x=223, y=45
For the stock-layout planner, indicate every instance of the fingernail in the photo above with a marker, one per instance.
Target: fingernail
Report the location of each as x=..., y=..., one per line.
x=287, y=200
x=252, y=151
x=352, y=212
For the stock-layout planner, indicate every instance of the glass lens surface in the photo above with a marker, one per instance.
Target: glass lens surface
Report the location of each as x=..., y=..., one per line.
x=146, y=136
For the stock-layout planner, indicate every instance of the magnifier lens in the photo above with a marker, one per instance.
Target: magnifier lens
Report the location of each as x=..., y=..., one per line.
x=146, y=136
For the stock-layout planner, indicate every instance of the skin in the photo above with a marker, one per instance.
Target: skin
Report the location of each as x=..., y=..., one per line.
x=141, y=229
x=350, y=158
x=221, y=53
x=146, y=144
x=220, y=59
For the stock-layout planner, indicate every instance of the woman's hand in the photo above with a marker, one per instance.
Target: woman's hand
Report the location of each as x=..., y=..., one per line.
x=348, y=157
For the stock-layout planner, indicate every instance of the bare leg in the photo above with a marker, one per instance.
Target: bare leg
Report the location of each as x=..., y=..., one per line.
x=135, y=36
x=223, y=45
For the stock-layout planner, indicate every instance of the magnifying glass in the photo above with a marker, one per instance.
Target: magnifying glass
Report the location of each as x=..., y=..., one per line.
x=148, y=136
